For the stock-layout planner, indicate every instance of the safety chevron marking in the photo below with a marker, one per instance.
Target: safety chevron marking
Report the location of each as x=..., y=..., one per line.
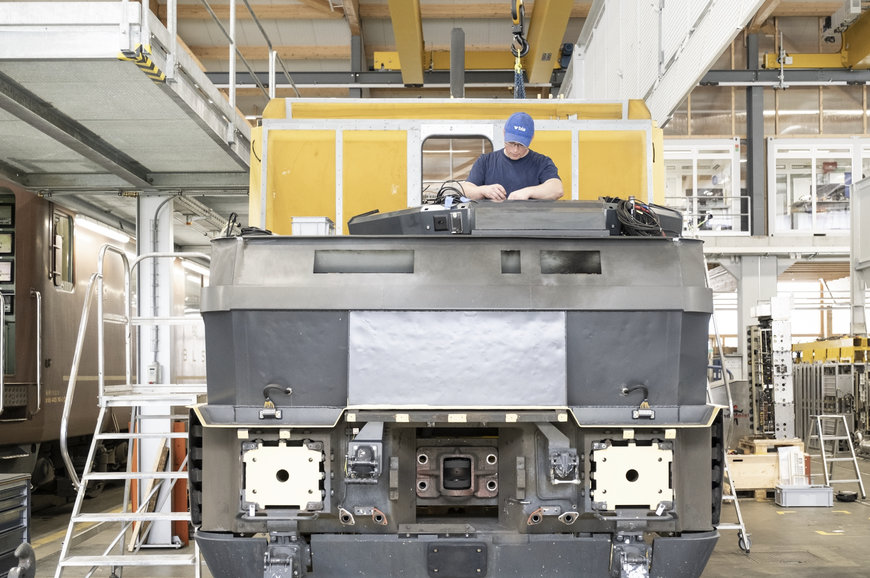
x=142, y=57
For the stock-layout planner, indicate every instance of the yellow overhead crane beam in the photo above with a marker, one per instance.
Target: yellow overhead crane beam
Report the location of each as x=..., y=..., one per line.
x=408, y=32
x=853, y=54
x=546, y=31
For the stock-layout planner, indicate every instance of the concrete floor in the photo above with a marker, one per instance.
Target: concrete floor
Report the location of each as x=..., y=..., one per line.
x=798, y=542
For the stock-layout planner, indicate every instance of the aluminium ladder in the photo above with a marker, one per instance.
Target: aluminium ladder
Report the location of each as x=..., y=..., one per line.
x=829, y=430
x=743, y=540
x=146, y=402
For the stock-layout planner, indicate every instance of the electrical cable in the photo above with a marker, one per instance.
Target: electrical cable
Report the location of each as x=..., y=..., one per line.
x=637, y=218
x=450, y=188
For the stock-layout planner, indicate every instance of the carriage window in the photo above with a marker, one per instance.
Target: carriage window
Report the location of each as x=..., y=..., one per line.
x=449, y=159
x=62, y=251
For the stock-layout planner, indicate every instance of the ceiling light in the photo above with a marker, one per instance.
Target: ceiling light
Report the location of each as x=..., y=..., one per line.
x=194, y=267
x=102, y=229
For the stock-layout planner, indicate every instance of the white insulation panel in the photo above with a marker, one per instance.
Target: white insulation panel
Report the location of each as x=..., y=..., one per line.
x=655, y=50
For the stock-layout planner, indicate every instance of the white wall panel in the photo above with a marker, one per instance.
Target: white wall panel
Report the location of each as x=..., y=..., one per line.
x=656, y=50
x=647, y=52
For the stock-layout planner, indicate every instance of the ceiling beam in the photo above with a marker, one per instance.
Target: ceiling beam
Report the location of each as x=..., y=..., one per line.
x=285, y=52
x=408, y=32
x=480, y=11
x=320, y=5
x=484, y=11
x=351, y=13
x=263, y=12
x=379, y=79
x=23, y=104
x=546, y=31
x=806, y=8
x=790, y=77
x=765, y=12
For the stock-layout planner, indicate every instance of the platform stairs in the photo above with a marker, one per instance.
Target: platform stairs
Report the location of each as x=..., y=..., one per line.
x=828, y=434
x=154, y=408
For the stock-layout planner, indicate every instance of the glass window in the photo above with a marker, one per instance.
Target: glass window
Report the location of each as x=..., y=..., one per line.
x=794, y=194
x=449, y=159
x=702, y=182
x=842, y=107
x=769, y=111
x=711, y=111
x=679, y=123
x=798, y=111
x=833, y=180
x=812, y=187
x=62, y=251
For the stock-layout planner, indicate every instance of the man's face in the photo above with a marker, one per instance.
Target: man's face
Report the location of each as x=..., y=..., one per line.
x=515, y=150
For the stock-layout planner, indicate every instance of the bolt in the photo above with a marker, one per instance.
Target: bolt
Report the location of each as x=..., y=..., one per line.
x=434, y=549
x=312, y=459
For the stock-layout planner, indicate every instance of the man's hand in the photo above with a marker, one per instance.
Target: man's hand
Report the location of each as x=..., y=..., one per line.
x=520, y=195
x=493, y=192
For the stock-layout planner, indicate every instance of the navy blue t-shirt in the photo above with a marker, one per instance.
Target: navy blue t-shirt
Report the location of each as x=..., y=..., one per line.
x=529, y=171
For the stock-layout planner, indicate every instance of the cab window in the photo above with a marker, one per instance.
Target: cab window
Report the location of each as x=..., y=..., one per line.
x=62, y=251
x=448, y=159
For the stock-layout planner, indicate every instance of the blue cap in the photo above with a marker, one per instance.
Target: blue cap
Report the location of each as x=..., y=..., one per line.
x=519, y=128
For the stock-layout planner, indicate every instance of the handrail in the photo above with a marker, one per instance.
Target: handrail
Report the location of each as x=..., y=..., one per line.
x=71, y=386
x=2, y=352
x=38, y=295
x=128, y=327
x=234, y=51
x=164, y=255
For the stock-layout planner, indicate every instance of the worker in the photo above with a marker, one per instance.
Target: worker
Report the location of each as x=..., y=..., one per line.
x=514, y=172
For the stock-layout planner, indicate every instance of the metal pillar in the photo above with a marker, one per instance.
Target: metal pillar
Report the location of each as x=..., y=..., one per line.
x=457, y=63
x=154, y=234
x=755, y=144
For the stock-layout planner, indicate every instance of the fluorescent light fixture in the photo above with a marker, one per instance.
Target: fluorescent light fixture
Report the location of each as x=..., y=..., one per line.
x=102, y=229
x=194, y=267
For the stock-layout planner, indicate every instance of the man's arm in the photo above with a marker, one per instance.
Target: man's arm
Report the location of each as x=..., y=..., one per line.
x=549, y=190
x=474, y=192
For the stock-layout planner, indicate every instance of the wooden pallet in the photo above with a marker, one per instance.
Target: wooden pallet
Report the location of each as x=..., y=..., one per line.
x=763, y=446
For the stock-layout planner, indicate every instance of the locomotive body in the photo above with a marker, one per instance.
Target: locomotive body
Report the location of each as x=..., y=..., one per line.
x=44, y=272
x=507, y=389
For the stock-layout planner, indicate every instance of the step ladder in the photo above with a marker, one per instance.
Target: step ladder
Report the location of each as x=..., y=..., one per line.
x=150, y=422
x=743, y=540
x=828, y=431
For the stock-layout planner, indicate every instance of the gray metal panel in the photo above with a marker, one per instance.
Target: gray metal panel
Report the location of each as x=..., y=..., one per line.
x=458, y=273
x=342, y=555
x=450, y=358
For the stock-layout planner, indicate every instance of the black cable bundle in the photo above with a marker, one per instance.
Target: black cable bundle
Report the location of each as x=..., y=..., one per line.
x=450, y=188
x=638, y=219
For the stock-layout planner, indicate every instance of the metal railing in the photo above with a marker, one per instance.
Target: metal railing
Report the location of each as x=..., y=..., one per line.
x=230, y=35
x=95, y=287
x=704, y=215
